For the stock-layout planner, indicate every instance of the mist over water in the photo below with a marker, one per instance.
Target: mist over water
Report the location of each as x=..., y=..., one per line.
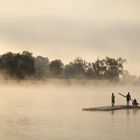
x=53, y=110
x=33, y=108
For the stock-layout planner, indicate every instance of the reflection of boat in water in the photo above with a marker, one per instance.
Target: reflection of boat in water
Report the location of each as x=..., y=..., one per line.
x=110, y=108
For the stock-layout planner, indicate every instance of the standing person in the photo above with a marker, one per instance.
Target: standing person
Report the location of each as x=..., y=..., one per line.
x=128, y=98
x=113, y=99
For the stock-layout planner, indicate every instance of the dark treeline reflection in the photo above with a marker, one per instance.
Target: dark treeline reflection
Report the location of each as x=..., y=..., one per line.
x=25, y=66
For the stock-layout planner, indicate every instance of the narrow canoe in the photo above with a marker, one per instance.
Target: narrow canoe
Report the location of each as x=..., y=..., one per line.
x=110, y=108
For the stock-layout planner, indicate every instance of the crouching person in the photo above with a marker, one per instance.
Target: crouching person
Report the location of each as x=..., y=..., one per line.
x=135, y=103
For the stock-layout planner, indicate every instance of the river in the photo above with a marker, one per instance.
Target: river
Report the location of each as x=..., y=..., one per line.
x=54, y=112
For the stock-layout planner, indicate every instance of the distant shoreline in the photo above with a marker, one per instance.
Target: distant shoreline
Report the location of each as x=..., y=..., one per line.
x=69, y=82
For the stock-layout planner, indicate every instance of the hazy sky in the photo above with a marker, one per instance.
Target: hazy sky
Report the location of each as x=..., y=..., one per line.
x=67, y=29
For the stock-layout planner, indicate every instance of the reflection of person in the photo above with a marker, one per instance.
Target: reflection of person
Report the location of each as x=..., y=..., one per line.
x=128, y=98
x=113, y=99
x=135, y=103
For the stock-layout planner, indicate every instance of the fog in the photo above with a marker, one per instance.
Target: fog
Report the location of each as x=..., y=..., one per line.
x=53, y=110
x=69, y=29
x=65, y=92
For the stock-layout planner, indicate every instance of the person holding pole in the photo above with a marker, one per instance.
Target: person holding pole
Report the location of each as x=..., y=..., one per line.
x=128, y=98
x=112, y=99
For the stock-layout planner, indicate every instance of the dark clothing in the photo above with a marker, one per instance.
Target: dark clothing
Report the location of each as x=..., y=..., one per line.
x=135, y=103
x=128, y=97
x=113, y=99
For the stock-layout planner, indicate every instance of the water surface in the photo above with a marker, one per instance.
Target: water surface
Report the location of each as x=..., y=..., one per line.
x=53, y=112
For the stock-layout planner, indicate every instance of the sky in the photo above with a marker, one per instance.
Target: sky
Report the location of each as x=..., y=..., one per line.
x=66, y=29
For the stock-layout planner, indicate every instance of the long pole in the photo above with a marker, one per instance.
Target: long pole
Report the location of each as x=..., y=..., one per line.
x=125, y=96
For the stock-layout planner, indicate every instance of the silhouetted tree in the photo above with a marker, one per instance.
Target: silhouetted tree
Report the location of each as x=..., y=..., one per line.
x=90, y=74
x=8, y=63
x=56, y=67
x=17, y=65
x=24, y=65
x=77, y=68
x=114, y=68
x=99, y=69
x=41, y=66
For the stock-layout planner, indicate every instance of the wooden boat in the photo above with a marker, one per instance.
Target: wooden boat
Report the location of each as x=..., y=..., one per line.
x=110, y=108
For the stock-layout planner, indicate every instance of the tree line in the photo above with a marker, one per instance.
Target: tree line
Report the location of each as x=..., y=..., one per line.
x=25, y=66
